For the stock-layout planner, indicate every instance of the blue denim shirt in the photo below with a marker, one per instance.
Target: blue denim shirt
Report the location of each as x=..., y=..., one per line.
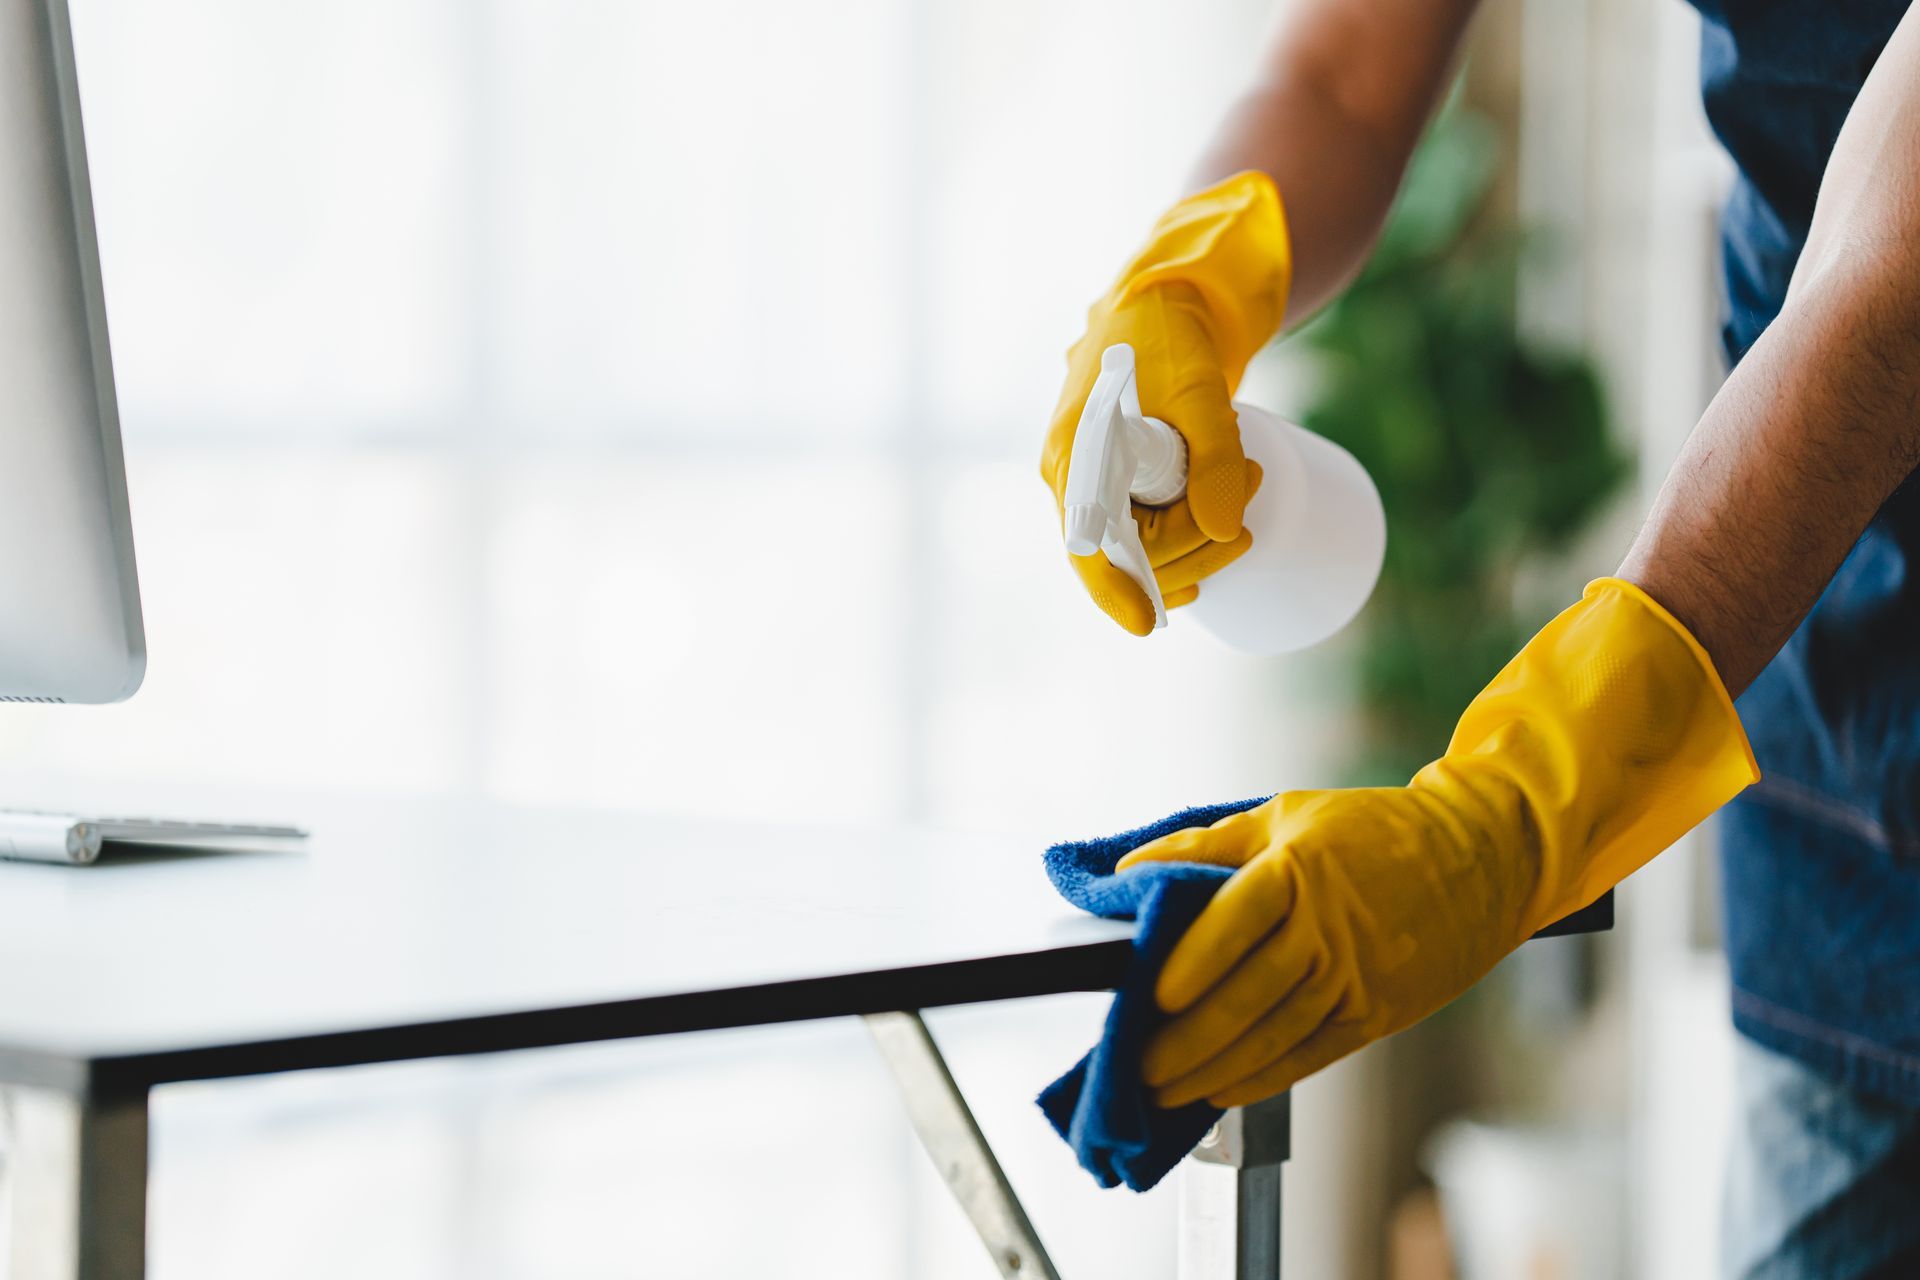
x=1821, y=859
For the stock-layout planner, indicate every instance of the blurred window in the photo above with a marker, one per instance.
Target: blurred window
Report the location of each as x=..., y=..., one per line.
x=636, y=403
x=629, y=403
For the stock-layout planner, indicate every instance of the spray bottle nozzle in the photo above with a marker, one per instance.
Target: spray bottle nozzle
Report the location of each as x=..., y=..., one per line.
x=1086, y=526
x=1120, y=454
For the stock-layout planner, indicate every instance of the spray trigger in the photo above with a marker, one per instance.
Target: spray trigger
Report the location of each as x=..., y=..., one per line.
x=1108, y=448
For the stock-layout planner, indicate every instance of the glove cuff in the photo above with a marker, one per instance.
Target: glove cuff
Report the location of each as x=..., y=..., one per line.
x=1229, y=243
x=1617, y=734
x=1709, y=673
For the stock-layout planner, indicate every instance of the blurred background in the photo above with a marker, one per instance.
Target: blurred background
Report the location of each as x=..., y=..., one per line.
x=637, y=406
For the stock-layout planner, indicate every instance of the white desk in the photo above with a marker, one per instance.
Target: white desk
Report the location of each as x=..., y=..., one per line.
x=423, y=930
x=413, y=931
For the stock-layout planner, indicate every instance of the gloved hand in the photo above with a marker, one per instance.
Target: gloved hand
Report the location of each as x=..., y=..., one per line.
x=1355, y=913
x=1205, y=294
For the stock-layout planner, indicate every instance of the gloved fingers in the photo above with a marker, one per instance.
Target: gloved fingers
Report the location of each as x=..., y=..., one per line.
x=1118, y=596
x=1121, y=599
x=1182, y=384
x=1248, y=907
x=1296, y=1020
x=1231, y=842
x=1204, y=1033
x=1216, y=468
x=1322, y=1049
x=1204, y=563
x=1190, y=845
x=1168, y=533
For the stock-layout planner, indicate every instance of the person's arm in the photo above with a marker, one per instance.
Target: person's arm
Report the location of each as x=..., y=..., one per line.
x=1342, y=94
x=1354, y=913
x=1821, y=421
x=1289, y=198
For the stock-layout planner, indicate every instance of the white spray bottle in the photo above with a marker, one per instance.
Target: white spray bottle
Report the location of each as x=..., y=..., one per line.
x=1319, y=533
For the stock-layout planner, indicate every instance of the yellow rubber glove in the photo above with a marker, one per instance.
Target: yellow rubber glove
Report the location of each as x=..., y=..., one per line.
x=1206, y=293
x=1356, y=913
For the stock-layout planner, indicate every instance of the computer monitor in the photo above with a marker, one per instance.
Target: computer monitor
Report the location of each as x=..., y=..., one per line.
x=70, y=625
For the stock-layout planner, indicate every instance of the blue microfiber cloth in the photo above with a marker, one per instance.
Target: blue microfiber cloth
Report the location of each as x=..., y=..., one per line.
x=1102, y=1107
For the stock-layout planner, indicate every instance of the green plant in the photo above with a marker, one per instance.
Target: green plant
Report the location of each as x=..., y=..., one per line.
x=1488, y=448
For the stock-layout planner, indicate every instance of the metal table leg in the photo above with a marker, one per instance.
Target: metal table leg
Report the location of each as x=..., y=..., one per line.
x=960, y=1152
x=74, y=1173
x=1230, y=1195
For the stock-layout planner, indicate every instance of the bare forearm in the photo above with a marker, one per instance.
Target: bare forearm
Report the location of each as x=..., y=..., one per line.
x=1821, y=422
x=1343, y=94
x=1815, y=429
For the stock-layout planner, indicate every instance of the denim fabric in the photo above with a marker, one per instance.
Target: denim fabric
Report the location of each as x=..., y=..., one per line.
x=1821, y=859
x=1777, y=78
x=1822, y=1180
x=1821, y=864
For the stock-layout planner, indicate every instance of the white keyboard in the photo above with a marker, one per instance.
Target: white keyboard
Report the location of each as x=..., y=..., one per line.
x=76, y=838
